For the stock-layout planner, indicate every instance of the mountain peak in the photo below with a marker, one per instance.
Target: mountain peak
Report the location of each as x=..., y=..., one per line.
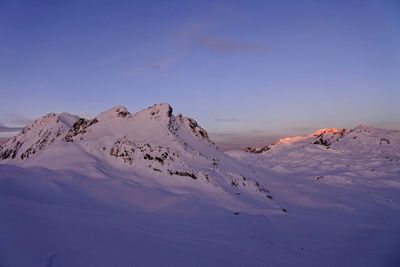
x=37, y=136
x=67, y=118
x=117, y=111
x=158, y=110
x=362, y=127
x=152, y=143
x=326, y=131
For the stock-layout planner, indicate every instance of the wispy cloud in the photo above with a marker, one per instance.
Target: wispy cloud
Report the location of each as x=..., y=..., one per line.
x=231, y=141
x=158, y=66
x=300, y=129
x=5, y=129
x=227, y=120
x=222, y=45
x=177, y=44
x=18, y=119
x=258, y=131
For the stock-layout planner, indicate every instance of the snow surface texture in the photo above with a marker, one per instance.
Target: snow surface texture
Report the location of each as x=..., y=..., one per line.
x=151, y=189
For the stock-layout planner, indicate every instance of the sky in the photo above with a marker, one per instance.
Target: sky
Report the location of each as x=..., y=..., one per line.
x=245, y=70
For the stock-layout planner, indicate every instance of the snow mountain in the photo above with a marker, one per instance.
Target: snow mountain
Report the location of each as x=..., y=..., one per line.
x=365, y=145
x=343, y=190
x=151, y=189
x=331, y=155
x=152, y=144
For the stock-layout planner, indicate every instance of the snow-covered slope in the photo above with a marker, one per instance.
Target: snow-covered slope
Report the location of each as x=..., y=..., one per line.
x=62, y=218
x=372, y=151
x=151, y=189
x=343, y=190
x=150, y=146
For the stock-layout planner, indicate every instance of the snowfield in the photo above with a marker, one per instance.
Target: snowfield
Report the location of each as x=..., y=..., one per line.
x=151, y=189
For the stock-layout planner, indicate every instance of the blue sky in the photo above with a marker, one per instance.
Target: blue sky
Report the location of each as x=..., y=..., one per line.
x=241, y=68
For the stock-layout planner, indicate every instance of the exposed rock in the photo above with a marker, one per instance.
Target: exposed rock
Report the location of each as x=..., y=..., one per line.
x=79, y=127
x=183, y=173
x=257, y=150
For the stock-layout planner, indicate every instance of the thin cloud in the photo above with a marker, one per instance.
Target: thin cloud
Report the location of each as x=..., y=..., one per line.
x=6, y=129
x=186, y=40
x=18, y=119
x=232, y=141
x=189, y=40
x=221, y=45
x=227, y=120
x=258, y=131
x=155, y=66
x=160, y=65
x=300, y=129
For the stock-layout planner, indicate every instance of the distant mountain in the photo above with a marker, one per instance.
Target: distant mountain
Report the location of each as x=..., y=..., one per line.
x=364, y=146
x=358, y=140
